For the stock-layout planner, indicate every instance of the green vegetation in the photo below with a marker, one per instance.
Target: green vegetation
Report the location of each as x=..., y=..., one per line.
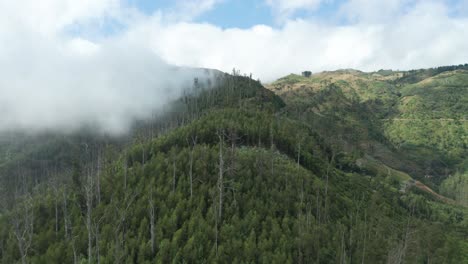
x=322, y=173
x=456, y=187
x=417, y=127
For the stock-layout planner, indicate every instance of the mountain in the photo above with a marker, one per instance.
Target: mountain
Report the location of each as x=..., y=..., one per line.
x=338, y=167
x=425, y=121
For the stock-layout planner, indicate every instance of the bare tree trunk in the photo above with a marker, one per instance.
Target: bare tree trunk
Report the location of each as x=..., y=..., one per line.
x=75, y=254
x=152, y=219
x=67, y=225
x=407, y=237
x=343, y=249
x=98, y=178
x=125, y=171
x=121, y=210
x=97, y=237
x=65, y=212
x=55, y=187
x=56, y=212
x=23, y=226
x=89, y=191
x=232, y=163
x=193, y=144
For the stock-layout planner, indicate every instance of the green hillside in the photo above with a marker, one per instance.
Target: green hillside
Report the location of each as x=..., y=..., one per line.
x=310, y=170
x=423, y=121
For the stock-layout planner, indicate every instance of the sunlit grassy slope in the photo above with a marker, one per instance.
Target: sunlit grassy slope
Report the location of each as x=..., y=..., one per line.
x=414, y=121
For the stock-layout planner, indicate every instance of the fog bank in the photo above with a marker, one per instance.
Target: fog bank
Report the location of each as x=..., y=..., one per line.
x=47, y=85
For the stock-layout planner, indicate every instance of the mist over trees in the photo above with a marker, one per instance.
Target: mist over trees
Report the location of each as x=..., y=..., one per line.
x=106, y=91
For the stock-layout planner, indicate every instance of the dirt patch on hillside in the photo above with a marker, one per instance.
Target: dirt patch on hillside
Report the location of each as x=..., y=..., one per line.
x=426, y=189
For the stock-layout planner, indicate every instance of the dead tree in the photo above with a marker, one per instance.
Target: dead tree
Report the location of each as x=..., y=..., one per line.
x=54, y=183
x=69, y=236
x=121, y=211
x=335, y=144
x=65, y=212
x=98, y=176
x=192, y=144
x=152, y=216
x=233, y=139
x=216, y=221
x=397, y=254
x=23, y=226
x=173, y=170
x=96, y=228
x=88, y=189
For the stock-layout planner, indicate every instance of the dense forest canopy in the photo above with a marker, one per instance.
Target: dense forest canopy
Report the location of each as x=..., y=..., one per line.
x=336, y=167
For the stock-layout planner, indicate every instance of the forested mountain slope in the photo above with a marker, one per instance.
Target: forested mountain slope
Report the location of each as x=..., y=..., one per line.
x=412, y=121
x=238, y=174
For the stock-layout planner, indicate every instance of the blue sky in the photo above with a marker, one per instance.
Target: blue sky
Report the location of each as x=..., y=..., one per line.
x=248, y=13
x=226, y=14
x=241, y=13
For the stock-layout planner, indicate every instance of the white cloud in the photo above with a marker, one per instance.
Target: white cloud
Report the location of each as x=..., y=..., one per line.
x=53, y=80
x=422, y=35
x=374, y=11
x=50, y=16
x=190, y=9
x=183, y=11
x=83, y=47
x=53, y=85
x=285, y=8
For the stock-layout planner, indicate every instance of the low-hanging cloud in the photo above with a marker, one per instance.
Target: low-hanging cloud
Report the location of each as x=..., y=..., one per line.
x=54, y=80
x=50, y=85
